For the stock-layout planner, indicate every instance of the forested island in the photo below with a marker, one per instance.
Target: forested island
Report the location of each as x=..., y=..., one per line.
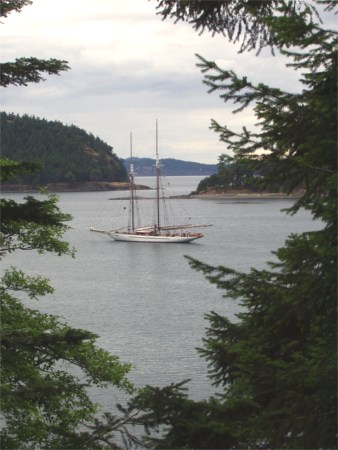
x=242, y=177
x=70, y=158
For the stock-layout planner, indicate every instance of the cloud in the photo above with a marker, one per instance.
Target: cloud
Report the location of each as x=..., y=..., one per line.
x=127, y=68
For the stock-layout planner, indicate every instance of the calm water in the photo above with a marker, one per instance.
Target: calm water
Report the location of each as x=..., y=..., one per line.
x=143, y=300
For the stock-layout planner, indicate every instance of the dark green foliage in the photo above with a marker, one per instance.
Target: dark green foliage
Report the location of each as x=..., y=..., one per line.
x=280, y=357
x=275, y=366
x=7, y=6
x=245, y=21
x=235, y=19
x=296, y=128
x=242, y=174
x=188, y=424
x=43, y=398
x=67, y=153
x=34, y=224
x=9, y=169
x=28, y=70
x=214, y=182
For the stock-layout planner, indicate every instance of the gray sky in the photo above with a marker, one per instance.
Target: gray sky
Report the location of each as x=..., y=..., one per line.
x=128, y=68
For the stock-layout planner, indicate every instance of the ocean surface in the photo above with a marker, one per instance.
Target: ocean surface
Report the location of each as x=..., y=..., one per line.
x=143, y=300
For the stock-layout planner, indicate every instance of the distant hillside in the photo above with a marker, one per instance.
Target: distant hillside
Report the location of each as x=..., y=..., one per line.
x=68, y=153
x=171, y=167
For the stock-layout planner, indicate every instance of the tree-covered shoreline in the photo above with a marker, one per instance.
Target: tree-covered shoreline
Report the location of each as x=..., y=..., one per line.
x=66, y=153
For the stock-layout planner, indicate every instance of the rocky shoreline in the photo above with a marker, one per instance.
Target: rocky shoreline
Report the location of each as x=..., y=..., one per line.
x=245, y=195
x=90, y=186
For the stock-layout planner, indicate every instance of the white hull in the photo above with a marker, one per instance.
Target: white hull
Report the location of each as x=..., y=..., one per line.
x=162, y=239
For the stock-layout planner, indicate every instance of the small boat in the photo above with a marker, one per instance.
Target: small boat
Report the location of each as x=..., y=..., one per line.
x=154, y=233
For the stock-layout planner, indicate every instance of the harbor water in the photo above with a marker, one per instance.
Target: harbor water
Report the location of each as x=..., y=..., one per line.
x=144, y=301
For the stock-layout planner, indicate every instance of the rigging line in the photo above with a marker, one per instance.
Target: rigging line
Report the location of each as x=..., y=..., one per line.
x=173, y=205
x=132, y=183
x=165, y=206
x=137, y=210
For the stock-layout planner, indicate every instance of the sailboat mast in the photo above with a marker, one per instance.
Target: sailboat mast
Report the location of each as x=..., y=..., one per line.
x=158, y=173
x=132, y=185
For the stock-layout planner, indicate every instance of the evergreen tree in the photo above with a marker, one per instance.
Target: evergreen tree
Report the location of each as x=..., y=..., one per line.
x=28, y=70
x=44, y=401
x=275, y=365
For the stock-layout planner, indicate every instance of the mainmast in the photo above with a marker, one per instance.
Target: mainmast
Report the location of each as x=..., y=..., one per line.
x=158, y=173
x=132, y=185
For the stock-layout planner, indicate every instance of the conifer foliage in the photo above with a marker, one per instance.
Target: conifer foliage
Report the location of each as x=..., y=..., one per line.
x=67, y=153
x=46, y=365
x=275, y=366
